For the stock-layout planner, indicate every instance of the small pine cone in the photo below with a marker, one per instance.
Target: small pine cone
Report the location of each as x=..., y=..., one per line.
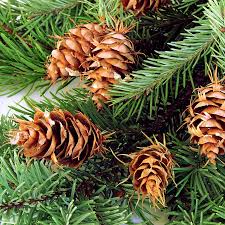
x=141, y=6
x=59, y=136
x=72, y=51
x=151, y=168
x=110, y=63
x=206, y=122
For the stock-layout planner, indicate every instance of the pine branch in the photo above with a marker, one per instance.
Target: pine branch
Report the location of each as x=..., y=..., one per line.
x=108, y=12
x=218, y=24
x=154, y=32
x=21, y=66
x=35, y=193
x=189, y=6
x=162, y=122
x=21, y=184
x=32, y=201
x=110, y=212
x=41, y=7
x=6, y=125
x=201, y=212
x=10, y=31
x=179, y=61
x=74, y=100
x=193, y=174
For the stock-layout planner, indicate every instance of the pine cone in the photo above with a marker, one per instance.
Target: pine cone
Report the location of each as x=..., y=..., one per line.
x=151, y=168
x=110, y=63
x=141, y=6
x=59, y=136
x=72, y=51
x=206, y=122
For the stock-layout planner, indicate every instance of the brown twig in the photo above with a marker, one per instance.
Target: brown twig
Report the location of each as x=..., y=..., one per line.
x=12, y=32
x=31, y=201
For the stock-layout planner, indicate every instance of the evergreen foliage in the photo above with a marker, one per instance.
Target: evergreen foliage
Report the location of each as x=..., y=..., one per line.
x=181, y=43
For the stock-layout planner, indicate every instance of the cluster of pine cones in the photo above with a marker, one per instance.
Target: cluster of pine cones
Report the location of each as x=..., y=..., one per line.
x=70, y=140
x=98, y=53
x=103, y=56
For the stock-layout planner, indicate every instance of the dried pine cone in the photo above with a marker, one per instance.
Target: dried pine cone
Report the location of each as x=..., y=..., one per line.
x=59, y=136
x=151, y=168
x=141, y=6
x=110, y=63
x=72, y=51
x=206, y=122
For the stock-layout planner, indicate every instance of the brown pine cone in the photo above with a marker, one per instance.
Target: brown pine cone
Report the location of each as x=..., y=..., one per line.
x=110, y=63
x=72, y=51
x=151, y=168
x=141, y=6
x=206, y=122
x=59, y=136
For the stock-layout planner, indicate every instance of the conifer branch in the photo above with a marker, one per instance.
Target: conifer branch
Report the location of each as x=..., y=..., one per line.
x=75, y=100
x=179, y=60
x=31, y=201
x=192, y=171
x=201, y=211
x=162, y=122
x=41, y=7
x=216, y=18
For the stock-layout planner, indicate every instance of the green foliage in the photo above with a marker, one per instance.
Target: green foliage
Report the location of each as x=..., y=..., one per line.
x=188, y=5
x=16, y=70
x=200, y=212
x=216, y=18
x=73, y=101
x=32, y=193
x=6, y=126
x=37, y=192
x=109, y=11
x=22, y=184
x=91, y=212
x=41, y=7
x=193, y=173
x=146, y=87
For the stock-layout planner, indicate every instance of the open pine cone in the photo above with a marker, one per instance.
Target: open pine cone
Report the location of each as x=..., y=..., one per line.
x=151, y=168
x=206, y=122
x=59, y=136
x=141, y=6
x=72, y=51
x=109, y=63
